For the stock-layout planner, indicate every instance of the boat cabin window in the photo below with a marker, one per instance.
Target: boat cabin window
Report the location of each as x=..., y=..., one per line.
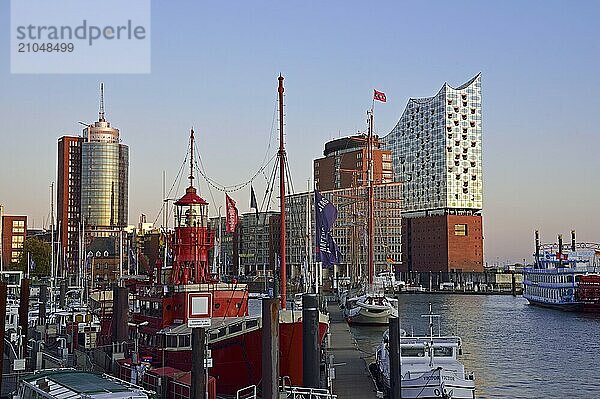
x=171, y=341
x=442, y=351
x=178, y=341
x=413, y=351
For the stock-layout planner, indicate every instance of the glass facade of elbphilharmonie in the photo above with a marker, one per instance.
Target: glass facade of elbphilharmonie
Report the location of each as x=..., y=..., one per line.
x=436, y=151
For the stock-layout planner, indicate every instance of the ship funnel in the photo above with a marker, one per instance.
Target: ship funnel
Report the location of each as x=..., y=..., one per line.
x=573, y=240
x=537, y=248
x=560, y=248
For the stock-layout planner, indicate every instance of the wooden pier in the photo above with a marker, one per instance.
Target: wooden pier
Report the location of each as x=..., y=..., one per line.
x=352, y=378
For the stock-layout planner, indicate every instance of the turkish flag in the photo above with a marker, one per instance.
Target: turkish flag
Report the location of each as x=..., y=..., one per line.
x=379, y=96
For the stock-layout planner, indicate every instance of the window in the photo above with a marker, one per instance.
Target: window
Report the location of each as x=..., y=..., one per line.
x=17, y=242
x=18, y=226
x=460, y=229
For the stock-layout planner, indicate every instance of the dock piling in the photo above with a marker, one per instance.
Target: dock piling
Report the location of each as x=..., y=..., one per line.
x=270, y=346
x=311, y=371
x=394, y=348
x=198, y=388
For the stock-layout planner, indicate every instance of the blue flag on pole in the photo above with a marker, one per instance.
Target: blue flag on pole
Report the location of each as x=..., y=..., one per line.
x=325, y=215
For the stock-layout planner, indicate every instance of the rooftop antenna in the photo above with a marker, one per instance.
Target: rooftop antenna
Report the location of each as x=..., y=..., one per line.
x=101, y=113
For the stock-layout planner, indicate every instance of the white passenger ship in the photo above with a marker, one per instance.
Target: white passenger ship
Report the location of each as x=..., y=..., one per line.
x=553, y=281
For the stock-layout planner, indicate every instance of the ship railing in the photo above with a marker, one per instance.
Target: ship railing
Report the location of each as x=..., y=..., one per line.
x=307, y=393
x=292, y=392
x=248, y=392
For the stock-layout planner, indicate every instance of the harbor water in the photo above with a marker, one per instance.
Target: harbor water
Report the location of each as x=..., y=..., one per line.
x=516, y=350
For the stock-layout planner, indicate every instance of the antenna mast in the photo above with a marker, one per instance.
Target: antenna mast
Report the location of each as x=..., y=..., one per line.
x=101, y=113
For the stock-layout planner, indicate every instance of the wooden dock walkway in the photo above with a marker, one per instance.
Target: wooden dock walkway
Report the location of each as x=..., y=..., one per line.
x=352, y=378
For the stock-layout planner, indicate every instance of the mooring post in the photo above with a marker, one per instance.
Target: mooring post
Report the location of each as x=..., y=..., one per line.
x=311, y=348
x=2, y=328
x=24, y=313
x=270, y=348
x=394, y=348
x=198, y=388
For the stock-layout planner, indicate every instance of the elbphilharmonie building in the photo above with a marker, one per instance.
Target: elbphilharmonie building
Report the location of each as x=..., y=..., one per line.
x=437, y=155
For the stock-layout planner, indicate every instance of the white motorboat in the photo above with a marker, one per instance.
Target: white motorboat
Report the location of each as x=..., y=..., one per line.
x=429, y=367
x=370, y=309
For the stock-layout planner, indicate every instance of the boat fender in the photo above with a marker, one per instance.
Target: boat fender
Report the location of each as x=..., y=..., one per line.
x=436, y=392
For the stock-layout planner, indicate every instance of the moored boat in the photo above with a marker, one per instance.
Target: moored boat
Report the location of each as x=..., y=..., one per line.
x=562, y=280
x=429, y=367
x=370, y=309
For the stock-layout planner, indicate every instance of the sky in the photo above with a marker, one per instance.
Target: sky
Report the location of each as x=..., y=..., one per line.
x=214, y=66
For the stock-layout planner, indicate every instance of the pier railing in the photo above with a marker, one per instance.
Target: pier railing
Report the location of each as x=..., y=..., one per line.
x=307, y=393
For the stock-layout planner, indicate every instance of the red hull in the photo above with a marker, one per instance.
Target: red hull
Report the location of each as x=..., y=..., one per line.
x=591, y=307
x=237, y=361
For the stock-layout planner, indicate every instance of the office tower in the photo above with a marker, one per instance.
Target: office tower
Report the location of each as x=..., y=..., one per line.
x=345, y=164
x=68, y=201
x=92, y=196
x=104, y=175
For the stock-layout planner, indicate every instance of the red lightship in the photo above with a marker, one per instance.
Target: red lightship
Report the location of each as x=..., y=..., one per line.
x=235, y=338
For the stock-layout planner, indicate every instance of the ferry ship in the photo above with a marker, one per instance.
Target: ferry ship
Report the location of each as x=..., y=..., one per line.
x=562, y=280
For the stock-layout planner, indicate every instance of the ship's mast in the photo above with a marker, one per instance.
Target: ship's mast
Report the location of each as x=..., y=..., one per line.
x=281, y=155
x=370, y=197
x=191, y=176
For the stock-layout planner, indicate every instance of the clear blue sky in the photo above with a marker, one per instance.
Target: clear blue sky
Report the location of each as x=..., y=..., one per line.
x=214, y=66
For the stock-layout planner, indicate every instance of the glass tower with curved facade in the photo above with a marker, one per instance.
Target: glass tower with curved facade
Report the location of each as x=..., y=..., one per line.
x=436, y=154
x=104, y=176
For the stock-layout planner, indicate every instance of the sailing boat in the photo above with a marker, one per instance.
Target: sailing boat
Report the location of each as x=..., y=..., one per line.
x=372, y=307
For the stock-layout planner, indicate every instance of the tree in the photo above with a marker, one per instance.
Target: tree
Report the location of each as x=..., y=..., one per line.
x=40, y=254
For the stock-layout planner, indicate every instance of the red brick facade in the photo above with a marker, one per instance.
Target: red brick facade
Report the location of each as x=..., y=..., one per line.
x=68, y=197
x=442, y=243
x=349, y=169
x=14, y=233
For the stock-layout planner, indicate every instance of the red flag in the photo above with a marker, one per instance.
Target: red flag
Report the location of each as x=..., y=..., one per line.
x=232, y=215
x=379, y=96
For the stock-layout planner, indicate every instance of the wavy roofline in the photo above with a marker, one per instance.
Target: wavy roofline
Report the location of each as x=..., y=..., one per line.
x=425, y=100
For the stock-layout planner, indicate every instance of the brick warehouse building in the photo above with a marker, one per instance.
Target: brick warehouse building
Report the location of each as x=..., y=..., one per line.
x=436, y=154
